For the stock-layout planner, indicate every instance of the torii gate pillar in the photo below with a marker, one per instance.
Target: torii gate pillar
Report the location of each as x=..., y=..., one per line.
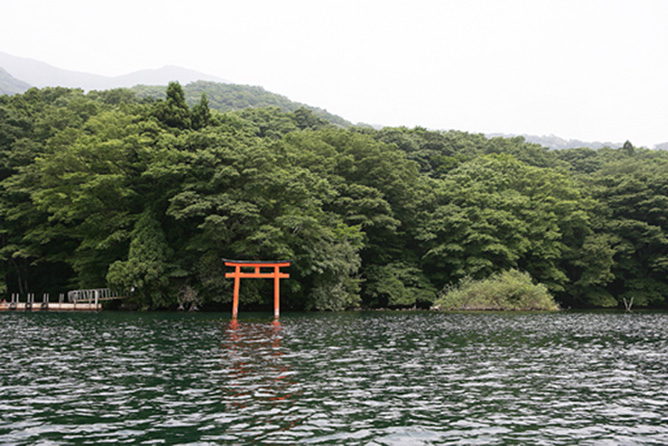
x=257, y=265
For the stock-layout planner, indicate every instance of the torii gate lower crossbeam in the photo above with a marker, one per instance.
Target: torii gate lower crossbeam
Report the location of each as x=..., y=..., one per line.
x=257, y=265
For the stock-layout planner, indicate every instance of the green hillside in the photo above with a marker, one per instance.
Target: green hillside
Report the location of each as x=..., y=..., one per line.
x=105, y=189
x=10, y=85
x=228, y=97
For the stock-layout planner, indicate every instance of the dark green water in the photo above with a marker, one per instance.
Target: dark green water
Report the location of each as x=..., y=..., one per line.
x=356, y=378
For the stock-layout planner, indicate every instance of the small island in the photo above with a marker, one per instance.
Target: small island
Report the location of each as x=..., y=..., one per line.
x=510, y=290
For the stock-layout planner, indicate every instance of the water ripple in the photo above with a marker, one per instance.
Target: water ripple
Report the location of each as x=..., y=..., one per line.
x=355, y=378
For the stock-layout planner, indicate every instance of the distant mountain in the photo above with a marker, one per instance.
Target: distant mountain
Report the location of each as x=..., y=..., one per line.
x=163, y=76
x=555, y=142
x=10, y=85
x=226, y=97
x=40, y=74
x=19, y=74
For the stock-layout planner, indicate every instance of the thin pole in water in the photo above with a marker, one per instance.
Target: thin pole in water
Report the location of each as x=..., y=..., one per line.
x=629, y=304
x=235, y=301
x=277, y=292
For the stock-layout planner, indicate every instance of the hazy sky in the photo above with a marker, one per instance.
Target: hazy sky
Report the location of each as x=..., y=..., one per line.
x=580, y=69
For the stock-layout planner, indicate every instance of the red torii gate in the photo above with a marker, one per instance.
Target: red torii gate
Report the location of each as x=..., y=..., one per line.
x=276, y=274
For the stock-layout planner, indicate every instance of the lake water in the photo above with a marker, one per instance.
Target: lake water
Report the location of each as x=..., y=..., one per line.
x=362, y=378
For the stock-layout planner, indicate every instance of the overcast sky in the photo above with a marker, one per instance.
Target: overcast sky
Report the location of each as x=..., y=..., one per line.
x=579, y=69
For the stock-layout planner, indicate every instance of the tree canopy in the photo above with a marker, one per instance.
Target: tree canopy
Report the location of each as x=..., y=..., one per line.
x=148, y=196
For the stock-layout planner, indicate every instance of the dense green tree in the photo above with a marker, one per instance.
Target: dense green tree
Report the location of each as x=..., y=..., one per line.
x=375, y=186
x=306, y=119
x=244, y=200
x=173, y=111
x=633, y=197
x=497, y=213
x=582, y=161
x=269, y=122
x=226, y=97
x=435, y=152
x=398, y=284
x=201, y=115
x=151, y=195
x=25, y=231
x=145, y=273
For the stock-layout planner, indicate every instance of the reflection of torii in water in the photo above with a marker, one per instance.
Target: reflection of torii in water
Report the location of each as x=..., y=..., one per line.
x=258, y=377
x=257, y=265
x=257, y=372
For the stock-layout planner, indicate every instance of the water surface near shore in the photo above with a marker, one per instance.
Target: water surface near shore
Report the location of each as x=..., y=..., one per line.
x=377, y=378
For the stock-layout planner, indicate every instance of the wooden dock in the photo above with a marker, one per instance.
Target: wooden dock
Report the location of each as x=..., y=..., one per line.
x=51, y=306
x=77, y=300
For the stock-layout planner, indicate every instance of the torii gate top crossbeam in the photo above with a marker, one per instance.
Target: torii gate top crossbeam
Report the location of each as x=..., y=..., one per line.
x=260, y=263
x=256, y=262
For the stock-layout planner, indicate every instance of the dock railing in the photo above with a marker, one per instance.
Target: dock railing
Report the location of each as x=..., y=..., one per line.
x=77, y=300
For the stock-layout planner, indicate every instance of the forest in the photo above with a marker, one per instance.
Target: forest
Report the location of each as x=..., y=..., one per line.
x=147, y=195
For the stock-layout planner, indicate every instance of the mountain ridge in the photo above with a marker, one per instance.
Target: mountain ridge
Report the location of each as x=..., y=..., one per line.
x=11, y=85
x=18, y=74
x=225, y=97
x=40, y=74
x=556, y=142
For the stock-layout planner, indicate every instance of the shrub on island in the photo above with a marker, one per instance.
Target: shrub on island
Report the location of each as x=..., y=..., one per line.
x=510, y=290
